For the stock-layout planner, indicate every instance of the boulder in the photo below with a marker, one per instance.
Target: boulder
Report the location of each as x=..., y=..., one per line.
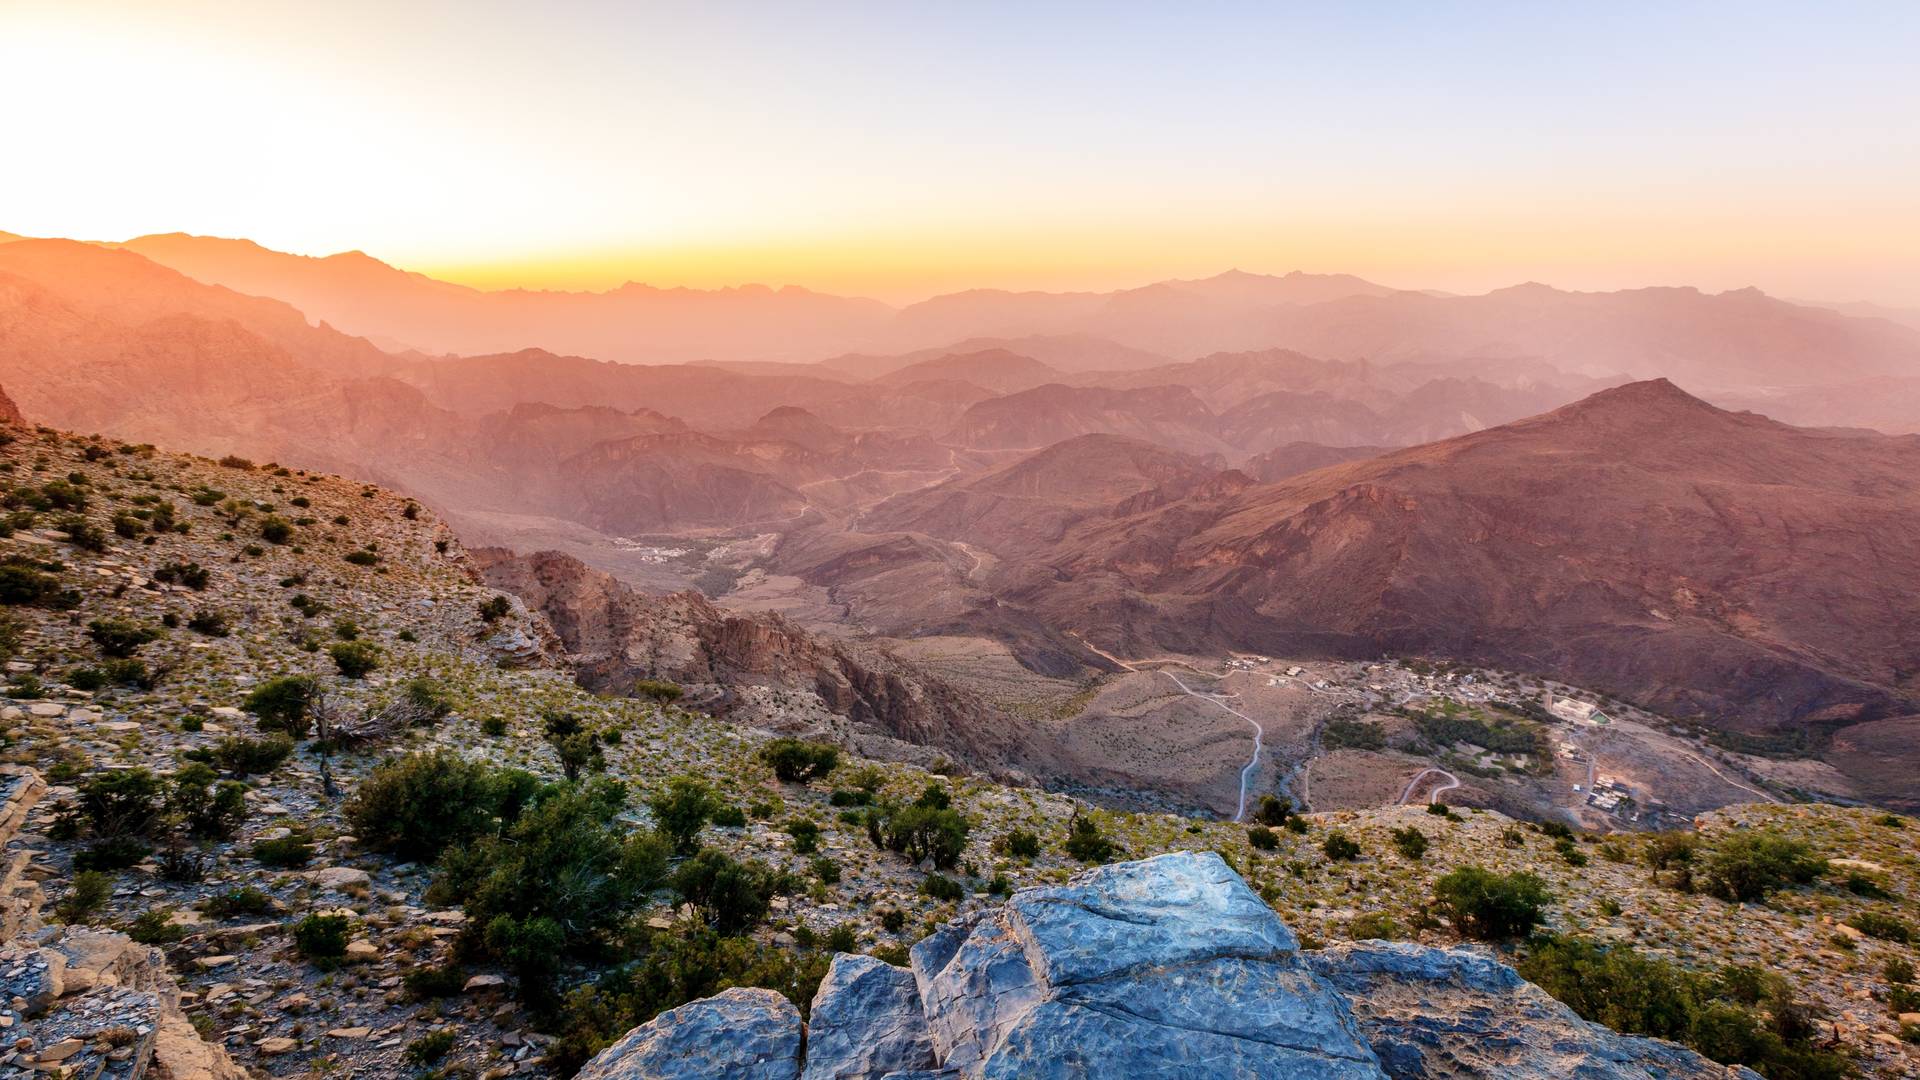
x=1459, y=1012
x=866, y=1022
x=739, y=1034
x=1168, y=967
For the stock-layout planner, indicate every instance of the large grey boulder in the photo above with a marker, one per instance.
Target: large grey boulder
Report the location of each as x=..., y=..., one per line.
x=1169, y=967
x=739, y=1034
x=866, y=1022
x=1458, y=1013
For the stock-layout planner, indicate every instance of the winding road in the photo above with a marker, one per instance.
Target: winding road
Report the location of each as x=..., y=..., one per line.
x=1259, y=733
x=1433, y=796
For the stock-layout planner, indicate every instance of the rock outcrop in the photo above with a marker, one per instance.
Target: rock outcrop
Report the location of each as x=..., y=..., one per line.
x=1168, y=967
x=81, y=1002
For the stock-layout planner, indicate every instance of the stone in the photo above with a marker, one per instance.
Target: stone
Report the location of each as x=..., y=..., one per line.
x=278, y=1044
x=340, y=878
x=866, y=1022
x=350, y=1033
x=484, y=983
x=362, y=950
x=1163, y=968
x=739, y=1034
x=1460, y=1012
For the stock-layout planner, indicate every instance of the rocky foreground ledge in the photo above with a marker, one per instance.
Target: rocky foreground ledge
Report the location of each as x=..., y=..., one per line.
x=1168, y=967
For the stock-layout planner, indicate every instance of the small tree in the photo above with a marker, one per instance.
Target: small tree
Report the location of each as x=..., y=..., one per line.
x=1410, y=842
x=659, y=690
x=1086, y=842
x=280, y=704
x=1490, y=906
x=495, y=608
x=1263, y=838
x=797, y=762
x=354, y=659
x=681, y=811
x=1339, y=847
x=120, y=638
x=731, y=896
x=1273, y=810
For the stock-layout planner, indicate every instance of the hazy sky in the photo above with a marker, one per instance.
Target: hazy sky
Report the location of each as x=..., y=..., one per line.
x=900, y=149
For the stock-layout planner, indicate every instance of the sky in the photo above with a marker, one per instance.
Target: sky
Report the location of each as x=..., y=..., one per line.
x=902, y=149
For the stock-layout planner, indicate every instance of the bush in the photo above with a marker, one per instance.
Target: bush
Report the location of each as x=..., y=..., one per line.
x=242, y=756
x=191, y=574
x=806, y=835
x=121, y=802
x=245, y=900
x=286, y=852
x=1020, y=844
x=354, y=659
x=797, y=762
x=112, y=853
x=435, y=981
x=1373, y=926
x=1339, y=847
x=1273, y=810
x=1410, y=842
x=1879, y=924
x=206, y=806
x=321, y=938
x=155, y=926
x=1263, y=838
x=276, y=530
x=1491, y=907
x=429, y=1048
x=925, y=829
x=730, y=896
x=1087, y=843
x=416, y=806
x=943, y=888
x=1750, y=864
x=659, y=690
x=85, y=897
x=281, y=704
x=1643, y=995
x=208, y=621
x=495, y=609
x=681, y=811
x=427, y=700
x=564, y=873
x=120, y=638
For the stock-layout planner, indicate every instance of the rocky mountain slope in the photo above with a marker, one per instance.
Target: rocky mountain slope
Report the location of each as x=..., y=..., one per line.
x=149, y=596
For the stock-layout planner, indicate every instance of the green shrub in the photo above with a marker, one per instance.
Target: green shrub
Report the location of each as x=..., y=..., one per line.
x=429, y=1048
x=943, y=888
x=208, y=807
x=85, y=897
x=155, y=926
x=659, y=690
x=1374, y=926
x=281, y=704
x=112, y=853
x=321, y=938
x=798, y=762
x=1410, y=842
x=121, y=802
x=806, y=835
x=416, y=806
x=427, y=699
x=1263, y=838
x=209, y=621
x=435, y=981
x=1339, y=847
x=276, y=530
x=564, y=873
x=243, y=756
x=1879, y=924
x=120, y=638
x=245, y=900
x=1489, y=906
x=1751, y=863
x=354, y=659
x=1273, y=810
x=495, y=608
x=681, y=811
x=730, y=896
x=927, y=829
x=1020, y=844
x=285, y=852
x=1087, y=843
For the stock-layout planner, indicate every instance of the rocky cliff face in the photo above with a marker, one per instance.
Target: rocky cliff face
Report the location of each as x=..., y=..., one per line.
x=1169, y=967
x=615, y=635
